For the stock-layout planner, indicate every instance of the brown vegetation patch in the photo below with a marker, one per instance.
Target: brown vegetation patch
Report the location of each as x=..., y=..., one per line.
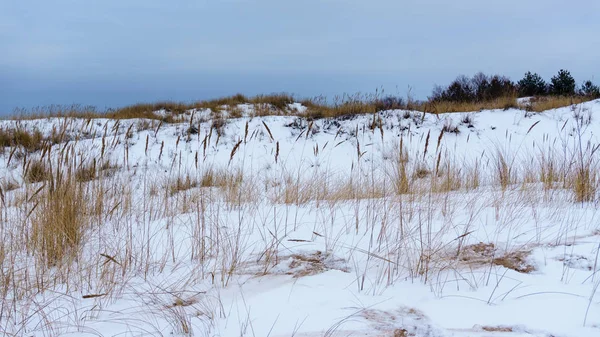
x=36, y=172
x=516, y=261
x=497, y=328
x=30, y=141
x=543, y=103
x=313, y=264
x=477, y=253
x=485, y=253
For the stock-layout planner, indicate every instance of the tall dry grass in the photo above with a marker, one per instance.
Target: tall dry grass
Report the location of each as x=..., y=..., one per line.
x=539, y=104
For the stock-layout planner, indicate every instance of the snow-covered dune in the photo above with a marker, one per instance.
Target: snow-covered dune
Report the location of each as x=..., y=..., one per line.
x=393, y=224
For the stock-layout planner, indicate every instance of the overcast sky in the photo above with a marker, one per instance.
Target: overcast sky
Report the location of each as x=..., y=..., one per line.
x=112, y=53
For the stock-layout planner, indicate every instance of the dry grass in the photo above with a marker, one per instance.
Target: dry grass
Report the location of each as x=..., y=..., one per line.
x=504, y=169
x=148, y=111
x=439, y=107
x=86, y=173
x=59, y=221
x=481, y=254
x=219, y=178
x=182, y=184
x=8, y=184
x=497, y=328
x=539, y=104
x=30, y=141
x=74, y=111
x=584, y=184
x=37, y=171
x=278, y=101
x=344, y=106
x=516, y=261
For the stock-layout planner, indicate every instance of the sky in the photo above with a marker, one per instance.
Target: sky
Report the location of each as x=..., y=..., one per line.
x=111, y=53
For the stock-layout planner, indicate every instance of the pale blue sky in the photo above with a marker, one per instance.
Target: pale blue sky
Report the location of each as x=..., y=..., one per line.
x=111, y=53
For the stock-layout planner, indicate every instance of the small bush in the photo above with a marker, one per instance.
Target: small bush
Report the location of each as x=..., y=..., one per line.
x=218, y=124
x=491, y=88
x=480, y=90
x=390, y=103
x=460, y=90
x=450, y=127
x=467, y=120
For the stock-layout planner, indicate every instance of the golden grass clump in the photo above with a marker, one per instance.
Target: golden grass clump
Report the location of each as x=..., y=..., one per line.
x=30, y=141
x=36, y=171
x=182, y=184
x=59, y=221
x=279, y=101
x=86, y=172
x=584, y=184
x=148, y=111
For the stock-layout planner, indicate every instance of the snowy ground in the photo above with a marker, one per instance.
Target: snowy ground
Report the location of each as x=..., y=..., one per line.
x=307, y=235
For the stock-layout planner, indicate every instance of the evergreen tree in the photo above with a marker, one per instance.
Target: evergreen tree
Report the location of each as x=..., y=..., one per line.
x=589, y=89
x=532, y=85
x=563, y=84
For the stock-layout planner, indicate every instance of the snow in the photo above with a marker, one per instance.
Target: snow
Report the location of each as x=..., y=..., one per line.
x=349, y=267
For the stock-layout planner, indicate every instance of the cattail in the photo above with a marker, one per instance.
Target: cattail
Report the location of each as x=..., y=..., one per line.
x=531, y=127
x=127, y=155
x=192, y=118
x=276, y=152
x=246, y=132
x=337, y=133
x=103, y=146
x=116, y=128
x=128, y=133
x=439, y=141
x=426, y=144
x=162, y=145
x=309, y=128
x=12, y=152
x=157, y=128
x=210, y=134
x=268, y=130
x=234, y=150
x=147, y=140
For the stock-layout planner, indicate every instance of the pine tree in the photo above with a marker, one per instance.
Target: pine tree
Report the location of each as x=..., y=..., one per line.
x=562, y=84
x=532, y=85
x=589, y=89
